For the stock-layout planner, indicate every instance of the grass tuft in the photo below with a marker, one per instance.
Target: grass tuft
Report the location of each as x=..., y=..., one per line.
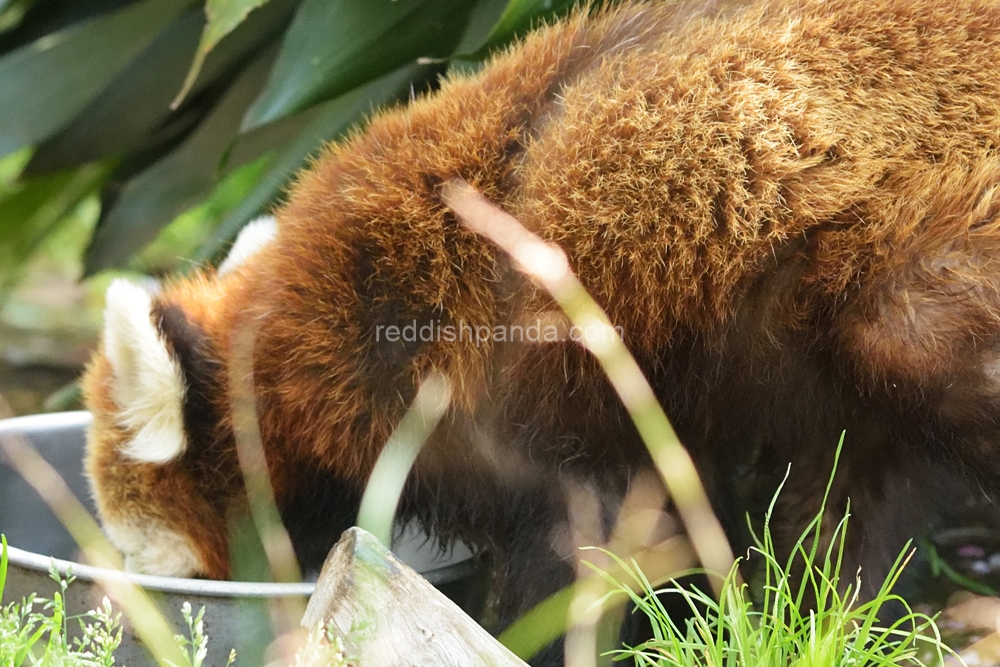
x=806, y=615
x=35, y=631
x=323, y=648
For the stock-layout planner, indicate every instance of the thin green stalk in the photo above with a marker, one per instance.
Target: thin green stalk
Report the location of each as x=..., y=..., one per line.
x=548, y=265
x=385, y=486
x=149, y=623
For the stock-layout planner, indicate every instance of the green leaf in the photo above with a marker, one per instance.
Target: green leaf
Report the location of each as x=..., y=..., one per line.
x=540, y=625
x=67, y=397
x=334, y=46
x=33, y=19
x=321, y=124
x=519, y=17
x=485, y=16
x=29, y=643
x=133, y=113
x=222, y=17
x=179, y=181
x=47, y=82
x=34, y=210
x=3, y=564
x=185, y=234
x=11, y=14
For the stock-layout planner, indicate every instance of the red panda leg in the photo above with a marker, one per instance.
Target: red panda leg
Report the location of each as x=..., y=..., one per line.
x=922, y=334
x=914, y=334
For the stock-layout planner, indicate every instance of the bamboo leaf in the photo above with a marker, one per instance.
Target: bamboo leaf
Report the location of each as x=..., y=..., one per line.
x=484, y=16
x=518, y=17
x=177, y=182
x=47, y=82
x=24, y=21
x=334, y=46
x=222, y=17
x=133, y=114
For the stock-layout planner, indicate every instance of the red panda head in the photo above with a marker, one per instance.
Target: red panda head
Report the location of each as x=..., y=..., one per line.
x=159, y=454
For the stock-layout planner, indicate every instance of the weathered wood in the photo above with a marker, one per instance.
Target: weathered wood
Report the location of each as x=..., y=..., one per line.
x=387, y=615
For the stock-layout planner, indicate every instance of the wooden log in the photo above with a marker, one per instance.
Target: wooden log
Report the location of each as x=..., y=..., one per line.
x=387, y=615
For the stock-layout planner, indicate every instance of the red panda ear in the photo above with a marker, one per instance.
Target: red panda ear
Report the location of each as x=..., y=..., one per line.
x=148, y=381
x=254, y=236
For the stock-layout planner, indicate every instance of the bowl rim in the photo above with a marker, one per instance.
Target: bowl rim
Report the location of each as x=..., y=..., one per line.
x=46, y=420
x=201, y=587
x=204, y=587
x=41, y=563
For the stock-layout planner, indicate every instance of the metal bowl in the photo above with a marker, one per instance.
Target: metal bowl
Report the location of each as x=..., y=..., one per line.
x=237, y=613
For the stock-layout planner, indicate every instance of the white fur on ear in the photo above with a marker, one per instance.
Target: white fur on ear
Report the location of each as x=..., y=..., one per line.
x=148, y=380
x=254, y=236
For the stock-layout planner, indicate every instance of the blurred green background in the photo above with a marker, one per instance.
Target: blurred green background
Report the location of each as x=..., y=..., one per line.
x=139, y=136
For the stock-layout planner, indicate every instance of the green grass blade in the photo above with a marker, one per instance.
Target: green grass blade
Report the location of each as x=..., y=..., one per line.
x=3, y=564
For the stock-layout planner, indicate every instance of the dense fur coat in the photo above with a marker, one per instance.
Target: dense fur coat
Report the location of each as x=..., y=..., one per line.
x=790, y=209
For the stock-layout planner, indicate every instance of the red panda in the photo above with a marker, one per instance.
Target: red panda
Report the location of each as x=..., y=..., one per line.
x=790, y=209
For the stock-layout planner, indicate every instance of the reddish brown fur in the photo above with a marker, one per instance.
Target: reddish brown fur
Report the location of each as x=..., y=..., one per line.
x=789, y=207
x=191, y=495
